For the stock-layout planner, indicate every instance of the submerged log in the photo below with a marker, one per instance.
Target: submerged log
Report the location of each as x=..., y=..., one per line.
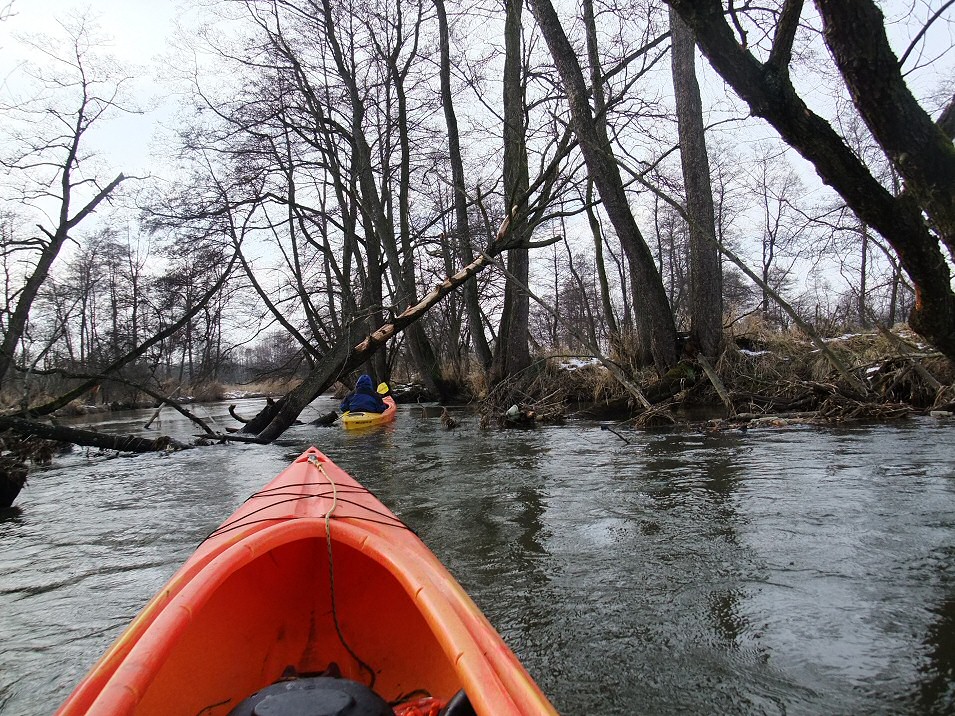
x=236, y=416
x=325, y=420
x=13, y=476
x=78, y=436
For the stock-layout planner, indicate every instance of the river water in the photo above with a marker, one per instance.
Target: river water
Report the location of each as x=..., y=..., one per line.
x=774, y=571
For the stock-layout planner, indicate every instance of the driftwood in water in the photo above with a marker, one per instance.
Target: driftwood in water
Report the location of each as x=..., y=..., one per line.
x=175, y=406
x=78, y=436
x=717, y=383
x=325, y=420
x=269, y=404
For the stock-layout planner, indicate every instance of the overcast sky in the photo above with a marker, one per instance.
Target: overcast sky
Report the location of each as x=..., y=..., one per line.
x=139, y=28
x=136, y=31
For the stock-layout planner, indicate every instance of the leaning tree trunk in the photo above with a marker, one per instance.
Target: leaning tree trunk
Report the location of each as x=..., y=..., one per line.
x=345, y=356
x=598, y=154
x=919, y=150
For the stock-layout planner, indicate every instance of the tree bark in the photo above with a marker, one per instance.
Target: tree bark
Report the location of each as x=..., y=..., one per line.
x=612, y=327
x=706, y=279
x=918, y=148
x=512, y=353
x=377, y=221
x=598, y=154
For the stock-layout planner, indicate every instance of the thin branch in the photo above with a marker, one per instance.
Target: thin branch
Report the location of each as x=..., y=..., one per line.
x=921, y=33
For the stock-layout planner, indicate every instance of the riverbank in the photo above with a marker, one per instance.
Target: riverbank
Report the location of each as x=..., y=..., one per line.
x=866, y=377
x=772, y=378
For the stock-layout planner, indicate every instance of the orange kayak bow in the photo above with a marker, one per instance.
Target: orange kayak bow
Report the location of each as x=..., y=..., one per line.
x=312, y=590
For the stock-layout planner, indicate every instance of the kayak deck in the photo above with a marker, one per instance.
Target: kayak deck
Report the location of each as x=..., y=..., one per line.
x=311, y=571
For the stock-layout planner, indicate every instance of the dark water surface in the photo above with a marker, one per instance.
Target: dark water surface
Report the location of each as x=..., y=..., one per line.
x=789, y=571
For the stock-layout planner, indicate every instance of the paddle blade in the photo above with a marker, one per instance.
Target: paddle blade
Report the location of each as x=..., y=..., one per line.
x=382, y=388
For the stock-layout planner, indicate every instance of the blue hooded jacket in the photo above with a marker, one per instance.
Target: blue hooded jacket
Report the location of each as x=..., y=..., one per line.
x=364, y=398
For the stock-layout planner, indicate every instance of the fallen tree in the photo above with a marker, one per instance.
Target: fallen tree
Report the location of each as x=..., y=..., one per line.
x=346, y=355
x=88, y=438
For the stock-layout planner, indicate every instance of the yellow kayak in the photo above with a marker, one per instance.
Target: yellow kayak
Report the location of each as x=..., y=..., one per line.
x=353, y=421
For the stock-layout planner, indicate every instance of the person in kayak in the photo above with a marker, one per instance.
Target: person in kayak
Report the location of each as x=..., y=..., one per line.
x=363, y=398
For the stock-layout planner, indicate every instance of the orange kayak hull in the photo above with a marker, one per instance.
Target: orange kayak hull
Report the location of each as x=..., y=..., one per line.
x=310, y=571
x=359, y=420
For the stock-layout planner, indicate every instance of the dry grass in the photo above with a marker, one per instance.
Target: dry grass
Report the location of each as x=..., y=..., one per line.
x=779, y=373
x=790, y=373
x=208, y=392
x=269, y=387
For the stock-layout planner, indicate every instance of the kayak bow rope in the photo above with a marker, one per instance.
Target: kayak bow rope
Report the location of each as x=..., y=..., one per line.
x=313, y=460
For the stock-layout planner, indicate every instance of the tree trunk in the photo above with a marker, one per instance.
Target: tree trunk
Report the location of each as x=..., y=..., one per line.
x=706, y=279
x=598, y=154
x=511, y=353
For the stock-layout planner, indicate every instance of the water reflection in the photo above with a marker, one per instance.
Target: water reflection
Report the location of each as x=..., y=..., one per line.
x=792, y=571
x=936, y=692
x=10, y=514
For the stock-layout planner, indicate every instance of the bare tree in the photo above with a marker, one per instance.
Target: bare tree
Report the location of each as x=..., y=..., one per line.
x=46, y=152
x=920, y=223
x=591, y=132
x=776, y=187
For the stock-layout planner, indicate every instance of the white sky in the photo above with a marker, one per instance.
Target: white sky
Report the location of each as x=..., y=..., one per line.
x=136, y=31
x=138, y=27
